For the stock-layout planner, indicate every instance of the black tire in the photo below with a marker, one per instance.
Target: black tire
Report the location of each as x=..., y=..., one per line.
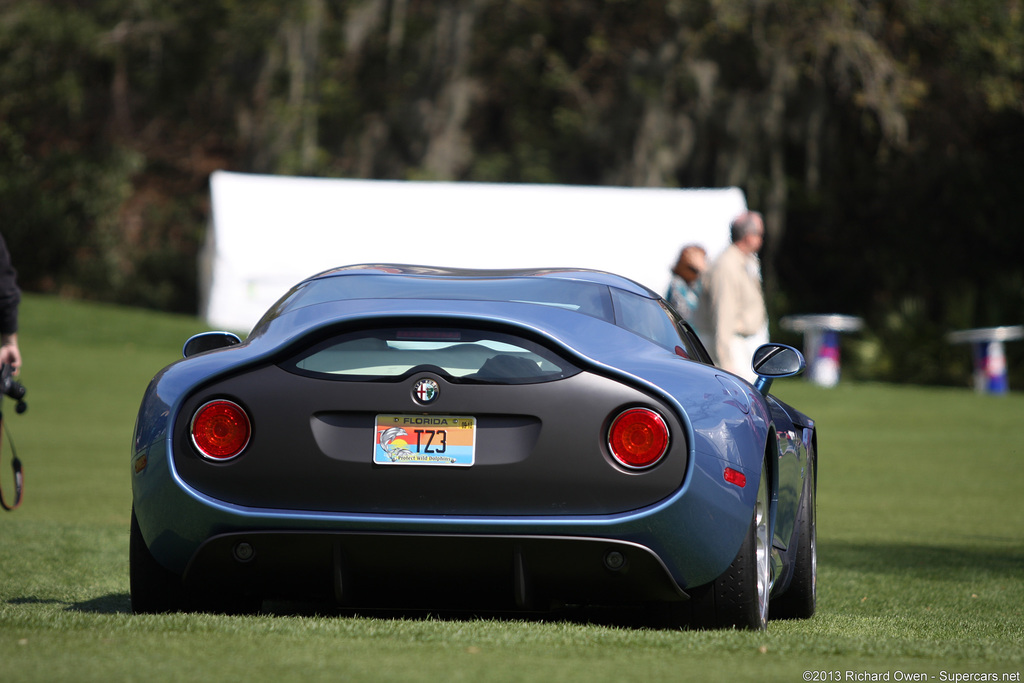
x=739, y=597
x=801, y=598
x=154, y=589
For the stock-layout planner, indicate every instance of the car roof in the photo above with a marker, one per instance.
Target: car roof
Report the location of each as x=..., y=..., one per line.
x=550, y=298
x=461, y=274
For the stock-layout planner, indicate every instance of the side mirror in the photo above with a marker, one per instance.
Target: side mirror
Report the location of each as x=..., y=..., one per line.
x=209, y=341
x=776, y=360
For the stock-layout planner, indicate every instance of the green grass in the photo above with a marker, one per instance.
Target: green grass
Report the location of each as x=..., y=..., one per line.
x=921, y=541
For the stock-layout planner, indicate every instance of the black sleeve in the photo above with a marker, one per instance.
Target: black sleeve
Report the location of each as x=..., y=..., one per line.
x=10, y=295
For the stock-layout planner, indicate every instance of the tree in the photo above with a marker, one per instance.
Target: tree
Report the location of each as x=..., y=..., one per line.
x=879, y=137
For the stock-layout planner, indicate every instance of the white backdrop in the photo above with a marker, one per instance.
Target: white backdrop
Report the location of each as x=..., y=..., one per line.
x=270, y=232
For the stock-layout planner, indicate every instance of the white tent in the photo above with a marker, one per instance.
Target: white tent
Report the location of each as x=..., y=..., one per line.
x=270, y=232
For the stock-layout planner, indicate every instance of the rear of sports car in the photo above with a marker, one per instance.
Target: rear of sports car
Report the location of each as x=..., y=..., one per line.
x=428, y=461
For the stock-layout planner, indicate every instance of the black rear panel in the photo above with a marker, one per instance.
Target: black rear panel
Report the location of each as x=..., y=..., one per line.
x=430, y=571
x=540, y=448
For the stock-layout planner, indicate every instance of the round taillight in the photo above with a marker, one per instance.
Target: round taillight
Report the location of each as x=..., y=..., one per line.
x=220, y=430
x=638, y=438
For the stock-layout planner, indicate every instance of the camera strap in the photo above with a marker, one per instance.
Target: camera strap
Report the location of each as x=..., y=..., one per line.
x=19, y=477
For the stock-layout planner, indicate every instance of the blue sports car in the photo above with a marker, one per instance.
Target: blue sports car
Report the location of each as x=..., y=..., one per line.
x=409, y=437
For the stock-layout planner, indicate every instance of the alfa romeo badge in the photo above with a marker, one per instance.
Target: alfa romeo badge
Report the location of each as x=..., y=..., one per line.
x=425, y=391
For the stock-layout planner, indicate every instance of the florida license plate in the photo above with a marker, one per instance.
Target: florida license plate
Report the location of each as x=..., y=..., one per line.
x=439, y=440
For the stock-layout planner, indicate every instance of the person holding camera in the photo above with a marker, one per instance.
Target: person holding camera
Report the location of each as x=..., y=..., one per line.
x=10, y=360
x=10, y=297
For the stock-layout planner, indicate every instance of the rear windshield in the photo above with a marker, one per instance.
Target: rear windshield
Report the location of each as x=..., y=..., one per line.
x=459, y=354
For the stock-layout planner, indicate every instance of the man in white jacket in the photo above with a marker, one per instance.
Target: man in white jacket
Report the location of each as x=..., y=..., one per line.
x=733, y=314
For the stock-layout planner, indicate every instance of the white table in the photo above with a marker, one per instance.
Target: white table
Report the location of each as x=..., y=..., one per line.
x=821, y=342
x=989, y=355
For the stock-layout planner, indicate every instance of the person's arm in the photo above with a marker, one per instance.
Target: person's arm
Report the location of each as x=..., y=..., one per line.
x=10, y=298
x=10, y=354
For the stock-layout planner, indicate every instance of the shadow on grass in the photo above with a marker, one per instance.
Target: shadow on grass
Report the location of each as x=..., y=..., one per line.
x=635, y=618
x=120, y=603
x=115, y=603
x=997, y=558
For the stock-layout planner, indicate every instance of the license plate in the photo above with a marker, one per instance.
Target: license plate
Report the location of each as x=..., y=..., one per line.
x=438, y=440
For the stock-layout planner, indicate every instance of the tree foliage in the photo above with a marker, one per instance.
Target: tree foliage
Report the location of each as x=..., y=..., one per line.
x=881, y=138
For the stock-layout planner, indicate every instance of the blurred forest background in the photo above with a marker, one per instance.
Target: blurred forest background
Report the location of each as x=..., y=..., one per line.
x=882, y=139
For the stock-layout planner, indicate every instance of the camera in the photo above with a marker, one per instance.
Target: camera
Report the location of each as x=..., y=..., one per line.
x=12, y=388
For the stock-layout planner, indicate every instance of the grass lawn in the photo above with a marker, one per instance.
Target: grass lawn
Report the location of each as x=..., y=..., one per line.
x=921, y=550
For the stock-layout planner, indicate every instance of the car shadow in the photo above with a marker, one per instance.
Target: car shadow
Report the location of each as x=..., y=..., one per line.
x=120, y=603
x=115, y=603
x=994, y=557
x=618, y=617
x=955, y=561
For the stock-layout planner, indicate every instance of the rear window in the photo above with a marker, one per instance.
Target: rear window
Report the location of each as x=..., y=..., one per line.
x=461, y=355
